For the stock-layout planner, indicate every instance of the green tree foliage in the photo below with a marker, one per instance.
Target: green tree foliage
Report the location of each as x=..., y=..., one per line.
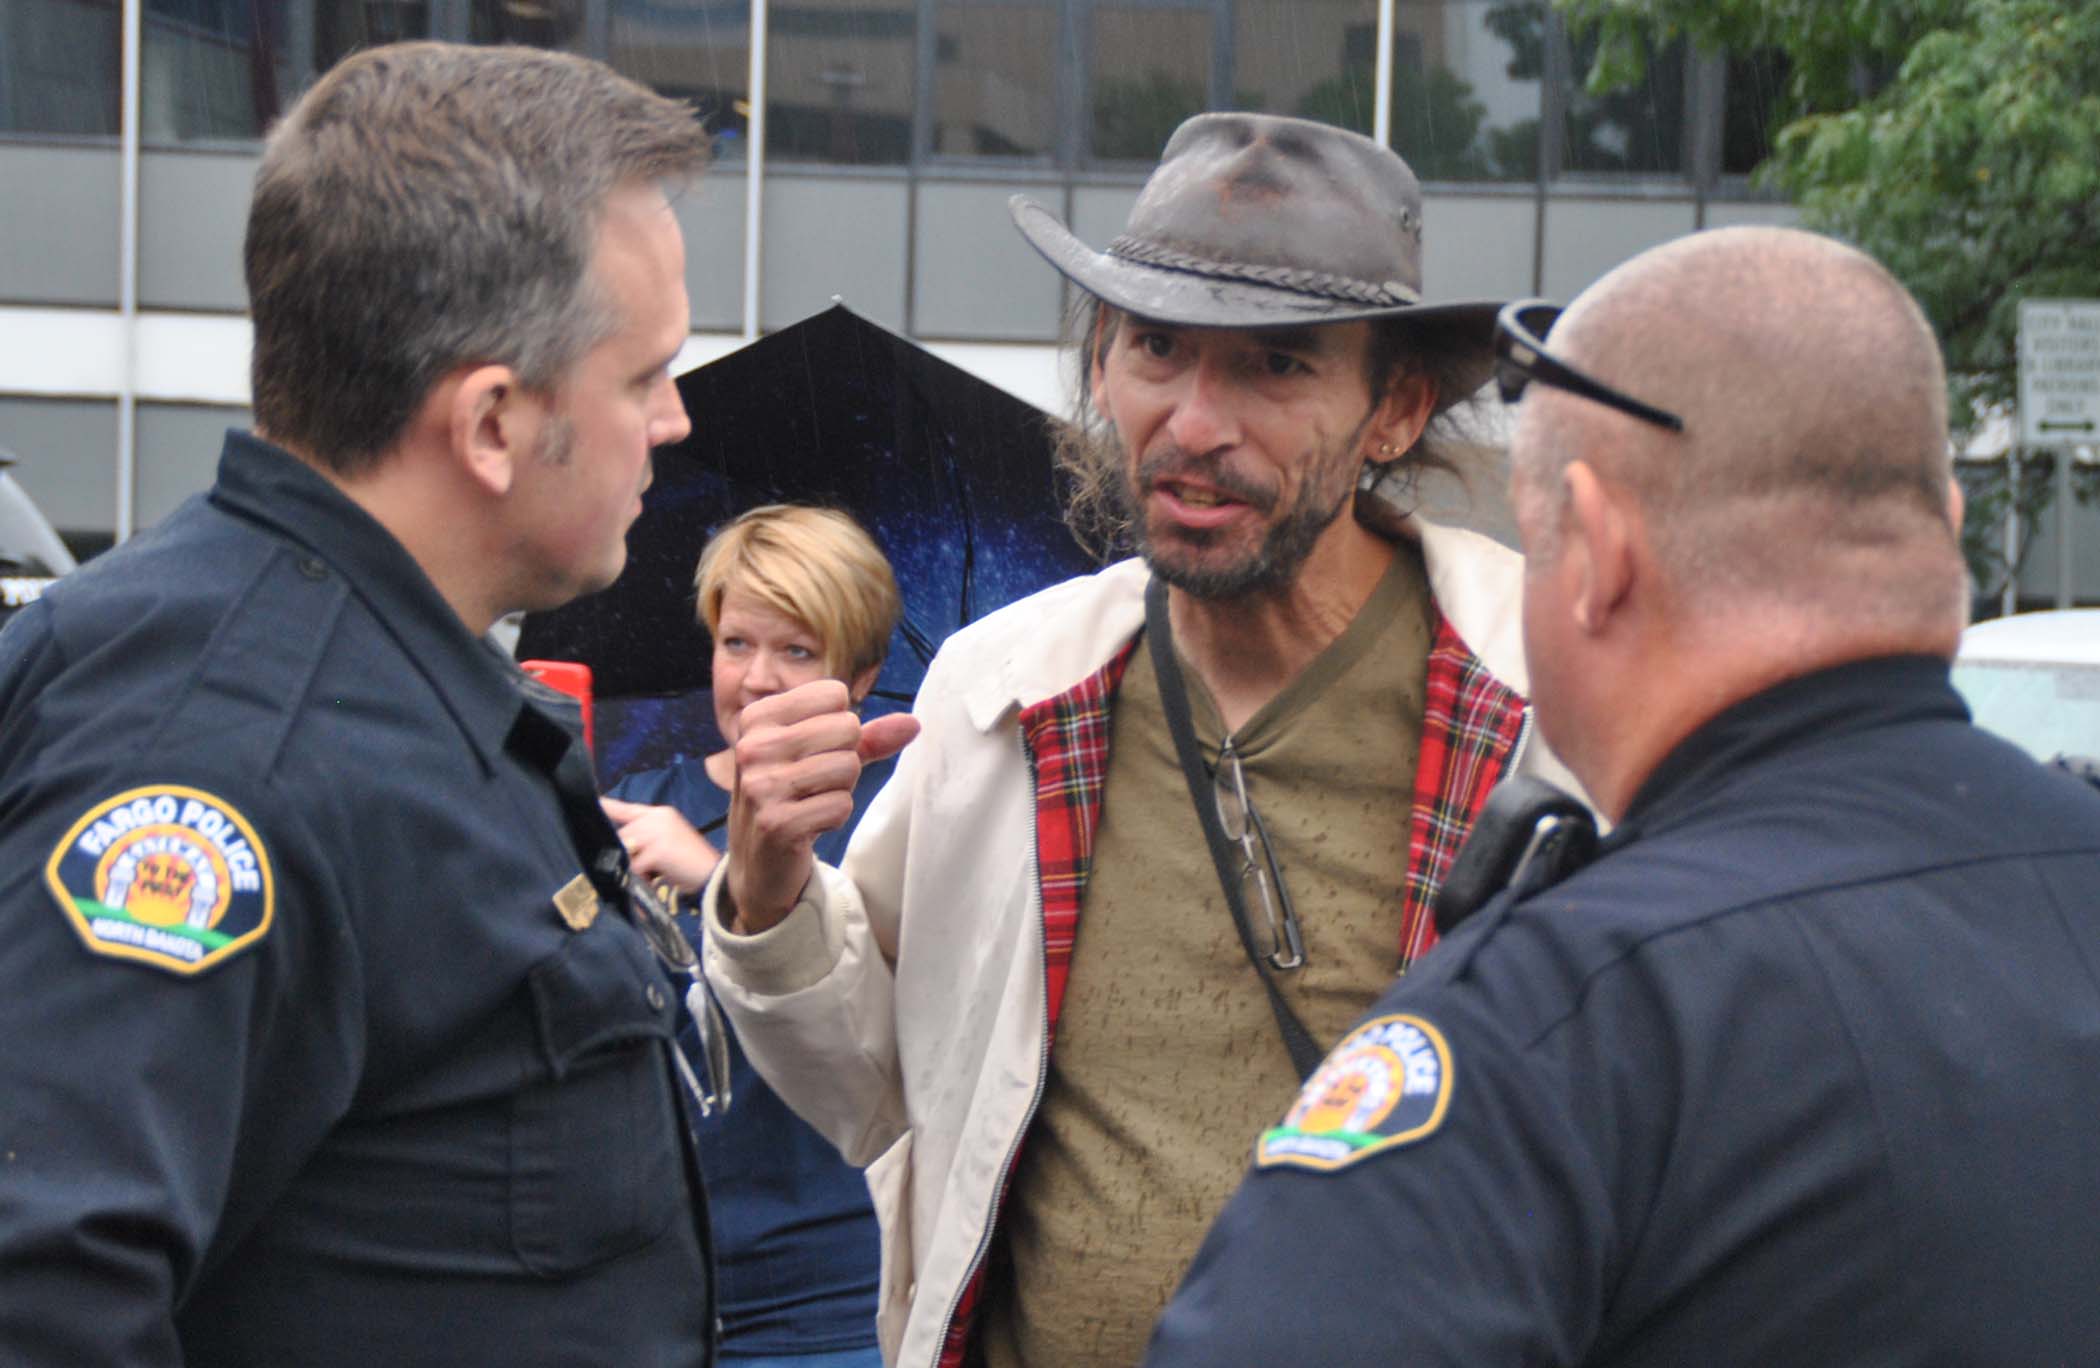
x=1958, y=141
x=1635, y=124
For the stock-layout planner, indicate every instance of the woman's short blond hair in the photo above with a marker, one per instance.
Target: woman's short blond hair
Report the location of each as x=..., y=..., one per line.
x=817, y=566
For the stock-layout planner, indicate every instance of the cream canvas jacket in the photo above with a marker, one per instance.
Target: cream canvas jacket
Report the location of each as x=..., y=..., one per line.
x=900, y=1007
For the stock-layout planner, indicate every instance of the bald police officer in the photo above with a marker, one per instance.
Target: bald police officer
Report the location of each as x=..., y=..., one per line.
x=1799, y=1070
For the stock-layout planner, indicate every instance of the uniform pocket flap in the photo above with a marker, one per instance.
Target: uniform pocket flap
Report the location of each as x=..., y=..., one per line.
x=602, y=988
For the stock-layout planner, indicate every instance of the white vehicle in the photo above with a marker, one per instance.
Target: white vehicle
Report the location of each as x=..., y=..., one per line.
x=2034, y=678
x=31, y=555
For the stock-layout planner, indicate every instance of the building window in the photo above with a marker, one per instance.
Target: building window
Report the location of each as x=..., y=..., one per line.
x=1309, y=58
x=1466, y=83
x=59, y=63
x=1752, y=109
x=208, y=69
x=839, y=81
x=994, y=79
x=1149, y=68
x=223, y=70
x=693, y=50
x=1638, y=130
x=557, y=24
x=1064, y=83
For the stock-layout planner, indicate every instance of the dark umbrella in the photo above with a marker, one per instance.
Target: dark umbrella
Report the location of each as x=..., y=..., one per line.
x=951, y=475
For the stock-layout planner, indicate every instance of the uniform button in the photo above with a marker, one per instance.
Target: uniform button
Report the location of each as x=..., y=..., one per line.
x=313, y=567
x=655, y=994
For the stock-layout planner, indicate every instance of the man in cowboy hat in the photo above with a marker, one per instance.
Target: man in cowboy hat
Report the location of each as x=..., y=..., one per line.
x=1309, y=693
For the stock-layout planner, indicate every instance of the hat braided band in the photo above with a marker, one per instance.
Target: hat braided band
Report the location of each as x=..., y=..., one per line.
x=1323, y=283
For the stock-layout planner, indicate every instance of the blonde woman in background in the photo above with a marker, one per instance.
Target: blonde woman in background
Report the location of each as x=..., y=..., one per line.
x=790, y=594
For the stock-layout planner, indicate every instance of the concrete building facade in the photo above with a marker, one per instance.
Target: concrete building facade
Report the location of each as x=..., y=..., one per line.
x=866, y=151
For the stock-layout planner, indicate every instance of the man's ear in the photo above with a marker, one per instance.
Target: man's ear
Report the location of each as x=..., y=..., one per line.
x=1600, y=530
x=492, y=422
x=1957, y=505
x=858, y=687
x=1398, y=420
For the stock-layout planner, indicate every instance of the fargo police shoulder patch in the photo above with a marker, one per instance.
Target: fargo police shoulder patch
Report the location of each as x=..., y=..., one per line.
x=164, y=875
x=1387, y=1084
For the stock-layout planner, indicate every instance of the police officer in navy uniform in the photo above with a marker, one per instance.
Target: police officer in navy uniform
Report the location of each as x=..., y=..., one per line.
x=1802, y=1069
x=330, y=1036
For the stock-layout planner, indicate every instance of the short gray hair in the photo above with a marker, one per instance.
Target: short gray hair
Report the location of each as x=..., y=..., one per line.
x=1813, y=470
x=427, y=206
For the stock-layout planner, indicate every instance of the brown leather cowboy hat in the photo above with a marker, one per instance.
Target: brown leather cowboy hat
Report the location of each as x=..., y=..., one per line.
x=1261, y=221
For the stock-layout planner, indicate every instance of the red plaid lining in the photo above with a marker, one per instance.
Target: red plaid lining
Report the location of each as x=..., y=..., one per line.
x=1470, y=725
x=1067, y=739
x=1068, y=736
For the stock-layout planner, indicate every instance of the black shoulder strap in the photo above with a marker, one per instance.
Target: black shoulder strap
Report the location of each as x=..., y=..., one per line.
x=1305, y=1053
x=1527, y=836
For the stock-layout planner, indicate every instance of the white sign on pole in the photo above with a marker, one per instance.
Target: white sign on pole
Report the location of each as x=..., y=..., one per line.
x=2059, y=372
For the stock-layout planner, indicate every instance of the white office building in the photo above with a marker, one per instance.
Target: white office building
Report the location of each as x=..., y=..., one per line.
x=893, y=132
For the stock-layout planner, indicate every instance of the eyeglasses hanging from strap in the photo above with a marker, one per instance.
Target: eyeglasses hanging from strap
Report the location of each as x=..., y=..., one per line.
x=660, y=928
x=1286, y=943
x=1258, y=868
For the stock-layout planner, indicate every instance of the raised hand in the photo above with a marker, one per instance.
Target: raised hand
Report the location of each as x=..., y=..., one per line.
x=798, y=756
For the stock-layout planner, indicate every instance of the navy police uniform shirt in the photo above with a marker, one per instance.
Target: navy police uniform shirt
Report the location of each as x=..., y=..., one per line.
x=327, y=1038
x=1803, y=1069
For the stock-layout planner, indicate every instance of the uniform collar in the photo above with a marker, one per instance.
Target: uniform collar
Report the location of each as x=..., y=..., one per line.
x=1813, y=707
x=481, y=688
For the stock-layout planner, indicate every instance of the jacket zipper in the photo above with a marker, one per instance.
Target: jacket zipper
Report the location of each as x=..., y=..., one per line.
x=1516, y=752
x=1042, y=1067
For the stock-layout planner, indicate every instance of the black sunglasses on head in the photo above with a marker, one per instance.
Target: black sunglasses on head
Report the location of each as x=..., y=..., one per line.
x=1521, y=357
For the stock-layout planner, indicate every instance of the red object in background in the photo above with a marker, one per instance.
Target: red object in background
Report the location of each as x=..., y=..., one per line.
x=572, y=678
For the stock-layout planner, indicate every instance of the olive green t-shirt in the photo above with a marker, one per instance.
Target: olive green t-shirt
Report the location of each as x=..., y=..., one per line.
x=1167, y=1061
